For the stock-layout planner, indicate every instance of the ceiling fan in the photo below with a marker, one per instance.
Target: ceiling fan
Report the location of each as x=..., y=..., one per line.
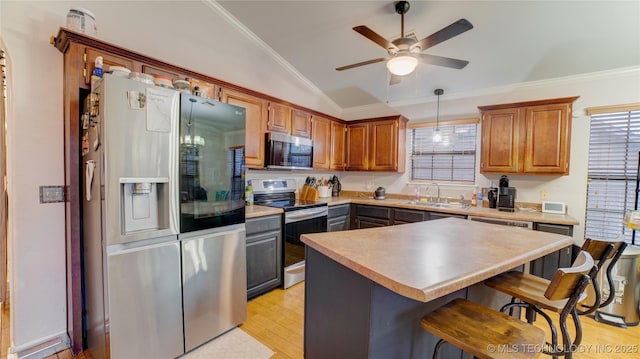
x=405, y=52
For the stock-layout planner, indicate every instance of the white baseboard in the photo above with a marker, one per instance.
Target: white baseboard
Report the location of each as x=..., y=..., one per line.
x=43, y=349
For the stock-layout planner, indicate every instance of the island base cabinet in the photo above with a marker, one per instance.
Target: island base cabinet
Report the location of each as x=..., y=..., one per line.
x=546, y=266
x=350, y=316
x=264, y=255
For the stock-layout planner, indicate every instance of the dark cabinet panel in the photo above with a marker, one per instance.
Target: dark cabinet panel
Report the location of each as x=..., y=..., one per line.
x=373, y=211
x=438, y=215
x=338, y=218
x=546, y=266
x=407, y=216
x=366, y=222
x=338, y=224
x=264, y=254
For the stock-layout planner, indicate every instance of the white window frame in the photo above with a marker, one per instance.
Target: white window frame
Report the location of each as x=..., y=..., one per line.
x=614, y=147
x=451, y=160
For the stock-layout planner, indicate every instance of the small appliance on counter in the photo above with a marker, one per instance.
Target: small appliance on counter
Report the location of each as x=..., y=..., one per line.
x=336, y=187
x=506, y=196
x=492, y=197
x=379, y=193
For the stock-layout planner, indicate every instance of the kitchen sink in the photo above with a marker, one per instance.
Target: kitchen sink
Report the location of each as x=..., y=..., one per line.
x=440, y=204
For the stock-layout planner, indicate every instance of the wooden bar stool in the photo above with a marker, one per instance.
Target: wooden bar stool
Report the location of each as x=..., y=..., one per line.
x=602, y=251
x=535, y=293
x=487, y=333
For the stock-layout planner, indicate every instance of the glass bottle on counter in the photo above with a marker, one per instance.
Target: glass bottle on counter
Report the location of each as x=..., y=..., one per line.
x=248, y=194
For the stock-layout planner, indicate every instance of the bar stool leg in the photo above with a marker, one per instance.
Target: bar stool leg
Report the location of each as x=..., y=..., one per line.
x=437, y=348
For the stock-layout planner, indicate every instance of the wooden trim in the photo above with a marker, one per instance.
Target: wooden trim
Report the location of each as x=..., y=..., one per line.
x=385, y=118
x=551, y=101
x=614, y=108
x=464, y=121
x=66, y=36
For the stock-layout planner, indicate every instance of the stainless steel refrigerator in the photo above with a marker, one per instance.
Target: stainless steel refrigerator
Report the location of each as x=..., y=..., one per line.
x=142, y=277
x=212, y=218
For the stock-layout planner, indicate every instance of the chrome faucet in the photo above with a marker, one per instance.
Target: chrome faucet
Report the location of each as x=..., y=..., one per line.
x=438, y=187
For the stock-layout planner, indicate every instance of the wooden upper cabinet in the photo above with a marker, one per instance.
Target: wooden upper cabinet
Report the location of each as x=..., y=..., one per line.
x=300, y=123
x=377, y=144
x=107, y=60
x=501, y=145
x=385, y=137
x=548, y=139
x=528, y=137
x=155, y=70
x=321, y=137
x=255, y=120
x=358, y=147
x=338, y=157
x=279, y=118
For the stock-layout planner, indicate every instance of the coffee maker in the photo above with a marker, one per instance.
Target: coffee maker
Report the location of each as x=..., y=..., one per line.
x=506, y=195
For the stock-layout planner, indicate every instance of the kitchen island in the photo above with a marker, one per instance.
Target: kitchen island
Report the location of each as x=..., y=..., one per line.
x=366, y=290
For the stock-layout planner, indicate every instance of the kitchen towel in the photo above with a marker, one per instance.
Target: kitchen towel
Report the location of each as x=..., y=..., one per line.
x=235, y=344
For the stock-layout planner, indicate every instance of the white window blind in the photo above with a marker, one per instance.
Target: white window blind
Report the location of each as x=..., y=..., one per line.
x=452, y=159
x=614, y=145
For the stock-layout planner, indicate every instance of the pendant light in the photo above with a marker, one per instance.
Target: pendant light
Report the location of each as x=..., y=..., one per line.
x=437, y=137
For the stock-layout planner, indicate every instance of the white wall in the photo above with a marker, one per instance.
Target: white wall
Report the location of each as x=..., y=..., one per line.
x=599, y=89
x=192, y=36
x=187, y=33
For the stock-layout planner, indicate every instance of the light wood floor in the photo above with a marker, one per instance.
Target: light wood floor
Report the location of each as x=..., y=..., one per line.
x=277, y=320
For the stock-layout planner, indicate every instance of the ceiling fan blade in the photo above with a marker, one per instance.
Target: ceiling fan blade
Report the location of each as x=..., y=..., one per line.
x=347, y=67
x=444, y=34
x=443, y=61
x=373, y=36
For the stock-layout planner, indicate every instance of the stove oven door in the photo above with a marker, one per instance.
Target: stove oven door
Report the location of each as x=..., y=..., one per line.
x=298, y=222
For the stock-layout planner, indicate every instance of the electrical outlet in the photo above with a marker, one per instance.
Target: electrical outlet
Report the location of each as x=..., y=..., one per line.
x=544, y=195
x=51, y=194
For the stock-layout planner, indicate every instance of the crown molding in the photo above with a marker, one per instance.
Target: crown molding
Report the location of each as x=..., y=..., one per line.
x=396, y=106
x=228, y=17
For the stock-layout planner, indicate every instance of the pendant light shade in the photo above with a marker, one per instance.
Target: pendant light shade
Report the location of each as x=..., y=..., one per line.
x=437, y=137
x=402, y=64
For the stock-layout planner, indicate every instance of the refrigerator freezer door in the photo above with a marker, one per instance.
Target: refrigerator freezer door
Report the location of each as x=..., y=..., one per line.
x=214, y=281
x=145, y=302
x=140, y=145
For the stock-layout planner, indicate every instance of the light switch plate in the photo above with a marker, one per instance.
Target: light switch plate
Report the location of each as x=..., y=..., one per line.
x=51, y=194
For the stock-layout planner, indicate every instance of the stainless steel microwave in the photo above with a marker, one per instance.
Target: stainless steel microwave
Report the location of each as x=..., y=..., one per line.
x=288, y=152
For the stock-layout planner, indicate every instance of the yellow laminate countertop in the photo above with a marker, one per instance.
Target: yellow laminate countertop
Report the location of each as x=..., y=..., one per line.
x=427, y=260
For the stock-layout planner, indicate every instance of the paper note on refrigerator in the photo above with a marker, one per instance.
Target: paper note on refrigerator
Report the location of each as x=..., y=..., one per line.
x=159, y=109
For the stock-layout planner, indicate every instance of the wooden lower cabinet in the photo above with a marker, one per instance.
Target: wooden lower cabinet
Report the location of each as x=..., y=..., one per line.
x=438, y=215
x=264, y=254
x=401, y=216
x=338, y=218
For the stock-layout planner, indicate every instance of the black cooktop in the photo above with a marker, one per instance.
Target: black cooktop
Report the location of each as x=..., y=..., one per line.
x=286, y=201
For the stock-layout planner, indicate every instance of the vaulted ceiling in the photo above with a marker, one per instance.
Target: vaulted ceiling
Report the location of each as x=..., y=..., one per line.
x=512, y=42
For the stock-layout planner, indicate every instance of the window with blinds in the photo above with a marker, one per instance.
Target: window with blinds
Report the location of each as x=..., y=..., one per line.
x=451, y=159
x=614, y=146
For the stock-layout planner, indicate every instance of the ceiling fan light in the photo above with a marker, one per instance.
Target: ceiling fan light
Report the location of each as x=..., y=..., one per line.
x=402, y=65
